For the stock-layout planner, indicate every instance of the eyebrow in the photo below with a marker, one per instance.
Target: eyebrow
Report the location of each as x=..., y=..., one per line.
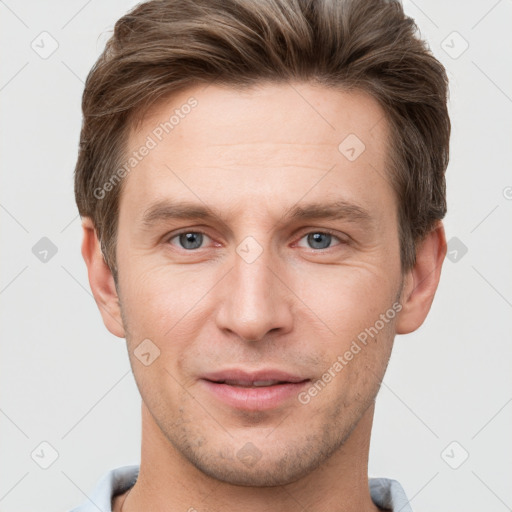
x=165, y=210
x=340, y=209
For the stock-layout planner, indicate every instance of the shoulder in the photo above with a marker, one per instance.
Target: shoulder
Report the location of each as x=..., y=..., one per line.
x=115, y=482
x=389, y=494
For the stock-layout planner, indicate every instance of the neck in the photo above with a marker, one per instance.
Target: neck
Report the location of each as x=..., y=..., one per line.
x=168, y=481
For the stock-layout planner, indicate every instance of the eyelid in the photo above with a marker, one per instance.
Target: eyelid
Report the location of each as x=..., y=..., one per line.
x=343, y=239
x=174, y=234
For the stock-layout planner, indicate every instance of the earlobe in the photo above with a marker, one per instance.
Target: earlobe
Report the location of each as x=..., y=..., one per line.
x=101, y=280
x=421, y=281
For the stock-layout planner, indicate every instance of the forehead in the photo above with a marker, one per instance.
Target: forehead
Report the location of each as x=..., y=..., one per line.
x=271, y=142
x=264, y=113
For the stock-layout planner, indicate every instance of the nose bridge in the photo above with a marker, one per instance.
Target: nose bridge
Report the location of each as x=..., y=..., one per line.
x=255, y=302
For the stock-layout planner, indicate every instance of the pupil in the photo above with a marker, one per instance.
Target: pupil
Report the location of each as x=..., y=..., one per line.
x=191, y=240
x=315, y=239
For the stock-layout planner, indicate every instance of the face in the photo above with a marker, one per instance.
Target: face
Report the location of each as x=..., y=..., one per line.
x=259, y=267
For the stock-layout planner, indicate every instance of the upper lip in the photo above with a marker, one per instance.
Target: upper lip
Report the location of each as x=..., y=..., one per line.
x=248, y=377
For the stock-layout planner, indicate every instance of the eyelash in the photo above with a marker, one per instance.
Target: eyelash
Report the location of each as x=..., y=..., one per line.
x=323, y=232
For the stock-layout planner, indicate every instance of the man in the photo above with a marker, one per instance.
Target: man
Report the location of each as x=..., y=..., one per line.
x=261, y=186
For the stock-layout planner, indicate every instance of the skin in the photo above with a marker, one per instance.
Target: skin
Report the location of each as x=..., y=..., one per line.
x=251, y=156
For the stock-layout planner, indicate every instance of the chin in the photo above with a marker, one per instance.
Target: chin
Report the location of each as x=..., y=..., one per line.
x=275, y=465
x=264, y=476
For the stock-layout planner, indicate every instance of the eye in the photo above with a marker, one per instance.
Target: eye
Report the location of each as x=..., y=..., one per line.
x=189, y=240
x=320, y=239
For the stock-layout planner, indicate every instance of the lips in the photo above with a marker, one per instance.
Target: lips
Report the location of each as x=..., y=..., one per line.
x=251, y=391
x=250, y=384
x=260, y=378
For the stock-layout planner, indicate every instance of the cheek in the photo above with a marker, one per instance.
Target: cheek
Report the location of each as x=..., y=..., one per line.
x=347, y=299
x=157, y=306
x=155, y=299
x=170, y=309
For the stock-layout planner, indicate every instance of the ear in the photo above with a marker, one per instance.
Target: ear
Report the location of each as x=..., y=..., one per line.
x=420, y=283
x=101, y=280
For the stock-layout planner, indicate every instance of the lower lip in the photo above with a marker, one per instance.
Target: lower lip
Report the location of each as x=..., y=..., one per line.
x=262, y=398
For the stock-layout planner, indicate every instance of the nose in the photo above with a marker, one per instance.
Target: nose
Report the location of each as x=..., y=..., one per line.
x=256, y=301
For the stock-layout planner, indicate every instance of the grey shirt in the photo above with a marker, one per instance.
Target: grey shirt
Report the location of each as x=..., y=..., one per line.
x=385, y=493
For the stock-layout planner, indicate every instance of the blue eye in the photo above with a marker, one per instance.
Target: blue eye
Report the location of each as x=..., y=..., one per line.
x=320, y=239
x=190, y=240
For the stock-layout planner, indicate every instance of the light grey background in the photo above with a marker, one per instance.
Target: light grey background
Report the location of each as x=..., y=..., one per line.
x=66, y=381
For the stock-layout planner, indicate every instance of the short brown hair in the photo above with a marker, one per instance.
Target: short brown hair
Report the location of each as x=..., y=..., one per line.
x=163, y=46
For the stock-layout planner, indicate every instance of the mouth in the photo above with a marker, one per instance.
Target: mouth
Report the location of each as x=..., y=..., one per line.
x=262, y=390
x=252, y=384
